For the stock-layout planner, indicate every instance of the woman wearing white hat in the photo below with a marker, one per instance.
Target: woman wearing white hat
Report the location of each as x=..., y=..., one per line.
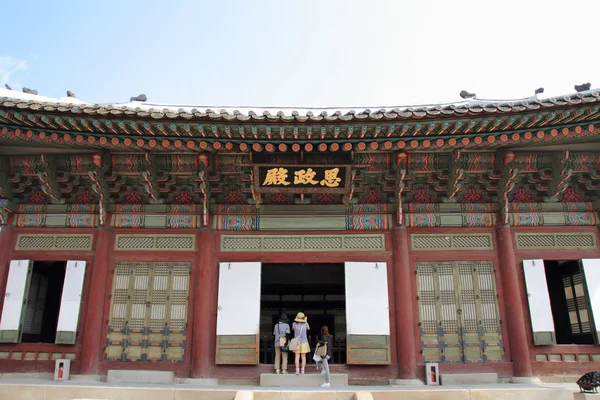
x=300, y=326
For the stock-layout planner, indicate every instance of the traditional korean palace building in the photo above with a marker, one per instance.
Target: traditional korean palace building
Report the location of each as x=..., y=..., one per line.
x=152, y=237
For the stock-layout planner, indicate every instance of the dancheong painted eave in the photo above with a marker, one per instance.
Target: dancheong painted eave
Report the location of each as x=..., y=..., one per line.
x=471, y=123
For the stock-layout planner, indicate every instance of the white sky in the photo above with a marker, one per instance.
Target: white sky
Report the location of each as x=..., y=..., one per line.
x=301, y=53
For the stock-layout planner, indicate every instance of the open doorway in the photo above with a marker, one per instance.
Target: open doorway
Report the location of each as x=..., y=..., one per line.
x=318, y=290
x=42, y=304
x=569, y=301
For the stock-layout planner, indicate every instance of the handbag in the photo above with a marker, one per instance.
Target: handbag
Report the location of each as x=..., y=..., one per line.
x=322, y=350
x=282, y=340
x=296, y=342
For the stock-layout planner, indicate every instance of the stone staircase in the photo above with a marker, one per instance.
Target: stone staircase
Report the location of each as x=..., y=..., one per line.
x=306, y=380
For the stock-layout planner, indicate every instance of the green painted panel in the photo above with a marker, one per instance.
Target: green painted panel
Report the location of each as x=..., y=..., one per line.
x=493, y=353
x=57, y=208
x=369, y=356
x=552, y=206
x=304, y=208
x=155, y=221
x=450, y=207
x=56, y=221
x=236, y=340
x=65, y=337
x=156, y=208
x=553, y=218
x=543, y=338
x=302, y=222
x=368, y=349
x=9, y=336
x=236, y=356
x=368, y=340
x=450, y=220
x=432, y=354
x=237, y=349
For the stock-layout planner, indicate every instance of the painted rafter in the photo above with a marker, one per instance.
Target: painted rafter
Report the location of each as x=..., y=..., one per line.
x=149, y=178
x=457, y=175
x=6, y=191
x=506, y=184
x=97, y=174
x=202, y=185
x=46, y=173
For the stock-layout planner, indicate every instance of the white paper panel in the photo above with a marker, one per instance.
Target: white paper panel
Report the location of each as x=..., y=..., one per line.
x=367, y=309
x=70, y=302
x=591, y=270
x=538, y=296
x=18, y=275
x=239, y=298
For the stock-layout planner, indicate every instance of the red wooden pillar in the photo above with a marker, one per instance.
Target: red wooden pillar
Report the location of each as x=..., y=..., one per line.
x=92, y=331
x=515, y=316
x=203, y=304
x=405, y=322
x=6, y=241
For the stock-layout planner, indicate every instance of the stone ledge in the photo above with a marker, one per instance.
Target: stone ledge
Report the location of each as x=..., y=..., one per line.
x=586, y=396
x=139, y=376
x=469, y=379
x=198, y=381
x=406, y=382
x=310, y=380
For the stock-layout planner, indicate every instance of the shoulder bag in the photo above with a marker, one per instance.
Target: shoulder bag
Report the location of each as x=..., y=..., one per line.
x=297, y=341
x=282, y=340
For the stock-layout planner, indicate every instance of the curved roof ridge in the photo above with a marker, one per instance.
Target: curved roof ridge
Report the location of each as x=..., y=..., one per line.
x=274, y=111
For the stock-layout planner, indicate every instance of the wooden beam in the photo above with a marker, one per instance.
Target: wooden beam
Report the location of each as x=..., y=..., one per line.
x=149, y=174
x=46, y=173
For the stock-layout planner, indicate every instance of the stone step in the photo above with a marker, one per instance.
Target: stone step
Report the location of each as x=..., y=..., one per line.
x=139, y=376
x=469, y=379
x=308, y=380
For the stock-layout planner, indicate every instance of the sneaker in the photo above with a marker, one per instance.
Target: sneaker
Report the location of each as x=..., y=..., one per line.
x=326, y=384
x=285, y=372
x=277, y=371
x=322, y=372
x=302, y=371
x=297, y=371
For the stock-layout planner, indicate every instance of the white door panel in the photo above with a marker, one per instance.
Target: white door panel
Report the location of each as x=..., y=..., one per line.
x=367, y=308
x=70, y=303
x=19, y=274
x=591, y=271
x=538, y=297
x=239, y=298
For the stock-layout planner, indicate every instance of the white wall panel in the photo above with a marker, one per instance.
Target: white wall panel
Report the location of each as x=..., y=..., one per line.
x=239, y=298
x=19, y=274
x=538, y=298
x=367, y=308
x=70, y=303
x=591, y=270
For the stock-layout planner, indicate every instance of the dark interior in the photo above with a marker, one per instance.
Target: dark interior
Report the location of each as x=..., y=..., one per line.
x=564, y=277
x=43, y=301
x=315, y=289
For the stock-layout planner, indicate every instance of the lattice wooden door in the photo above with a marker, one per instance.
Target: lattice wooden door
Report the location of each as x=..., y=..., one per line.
x=148, y=317
x=458, y=312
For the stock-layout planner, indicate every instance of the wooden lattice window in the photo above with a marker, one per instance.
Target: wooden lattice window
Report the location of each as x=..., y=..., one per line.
x=458, y=312
x=148, y=313
x=577, y=304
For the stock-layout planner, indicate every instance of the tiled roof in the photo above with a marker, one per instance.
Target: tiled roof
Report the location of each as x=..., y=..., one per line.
x=469, y=107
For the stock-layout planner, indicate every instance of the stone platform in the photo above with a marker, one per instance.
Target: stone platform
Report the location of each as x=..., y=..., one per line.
x=306, y=380
x=38, y=389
